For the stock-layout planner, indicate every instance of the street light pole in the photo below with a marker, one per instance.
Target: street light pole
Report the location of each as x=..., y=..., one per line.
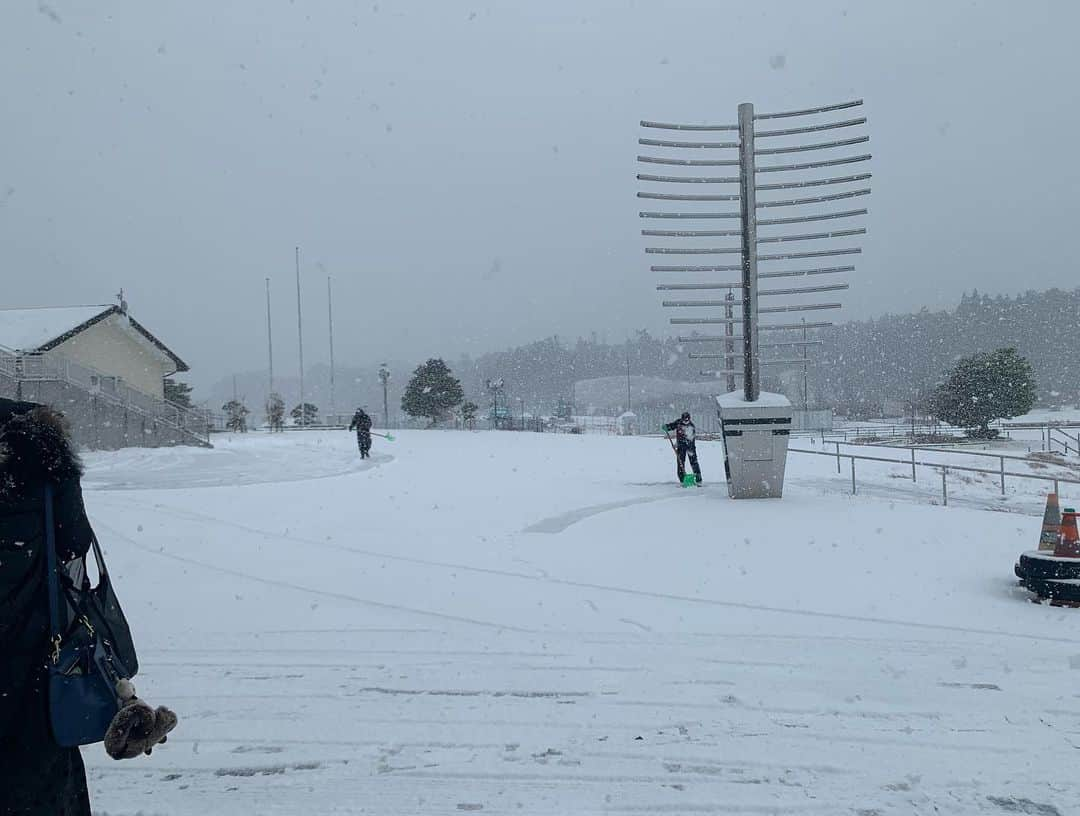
x=384, y=375
x=330, y=314
x=300, y=338
x=804, y=367
x=269, y=339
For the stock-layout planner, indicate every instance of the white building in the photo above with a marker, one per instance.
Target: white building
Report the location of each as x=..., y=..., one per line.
x=105, y=339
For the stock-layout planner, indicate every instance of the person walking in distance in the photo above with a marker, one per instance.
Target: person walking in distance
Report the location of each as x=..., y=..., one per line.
x=685, y=445
x=361, y=423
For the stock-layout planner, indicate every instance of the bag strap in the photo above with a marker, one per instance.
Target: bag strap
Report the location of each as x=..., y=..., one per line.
x=103, y=571
x=53, y=577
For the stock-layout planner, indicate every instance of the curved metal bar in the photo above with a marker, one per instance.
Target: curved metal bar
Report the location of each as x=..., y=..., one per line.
x=687, y=215
x=794, y=202
x=784, y=326
x=781, y=168
x=665, y=287
x=720, y=268
x=802, y=219
x=682, y=251
x=689, y=197
x=802, y=290
x=772, y=151
x=798, y=290
x=691, y=233
x=666, y=143
x=798, y=273
x=689, y=162
x=793, y=273
x=795, y=185
x=824, y=253
x=679, y=304
x=796, y=361
x=703, y=321
x=672, y=126
x=716, y=338
x=811, y=236
x=802, y=307
x=812, y=128
x=689, y=179
x=807, y=111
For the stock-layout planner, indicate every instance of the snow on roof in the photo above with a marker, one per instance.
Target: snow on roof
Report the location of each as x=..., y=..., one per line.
x=44, y=328
x=30, y=329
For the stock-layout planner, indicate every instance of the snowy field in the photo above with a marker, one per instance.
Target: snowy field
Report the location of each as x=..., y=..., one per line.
x=521, y=623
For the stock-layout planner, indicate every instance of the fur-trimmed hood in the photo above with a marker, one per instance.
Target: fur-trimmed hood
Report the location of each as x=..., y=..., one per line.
x=35, y=446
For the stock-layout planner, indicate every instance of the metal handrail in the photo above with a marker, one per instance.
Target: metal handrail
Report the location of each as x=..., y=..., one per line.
x=54, y=367
x=913, y=462
x=932, y=448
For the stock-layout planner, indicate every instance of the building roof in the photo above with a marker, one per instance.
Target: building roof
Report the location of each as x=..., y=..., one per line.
x=45, y=328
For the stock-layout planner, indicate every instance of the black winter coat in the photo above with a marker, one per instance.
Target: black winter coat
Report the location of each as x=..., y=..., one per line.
x=361, y=423
x=37, y=777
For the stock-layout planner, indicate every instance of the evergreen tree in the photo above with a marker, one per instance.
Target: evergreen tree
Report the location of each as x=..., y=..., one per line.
x=236, y=415
x=432, y=392
x=985, y=387
x=275, y=412
x=178, y=393
x=306, y=415
x=468, y=413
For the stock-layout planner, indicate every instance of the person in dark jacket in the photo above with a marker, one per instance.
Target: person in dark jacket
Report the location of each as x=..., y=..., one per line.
x=361, y=423
x=37, y=777
x=685, y=445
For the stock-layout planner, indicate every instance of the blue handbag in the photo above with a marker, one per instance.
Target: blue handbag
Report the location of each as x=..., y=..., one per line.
x=90, y=647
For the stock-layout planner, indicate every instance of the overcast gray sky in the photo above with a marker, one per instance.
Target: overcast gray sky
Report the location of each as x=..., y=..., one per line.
x=465, y=171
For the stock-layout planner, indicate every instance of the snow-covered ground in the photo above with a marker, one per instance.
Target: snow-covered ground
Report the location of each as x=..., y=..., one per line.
x=521, y=623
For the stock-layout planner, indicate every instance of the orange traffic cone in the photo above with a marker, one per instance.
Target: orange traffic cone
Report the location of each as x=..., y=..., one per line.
x=1069, y=545
x=1051, y=528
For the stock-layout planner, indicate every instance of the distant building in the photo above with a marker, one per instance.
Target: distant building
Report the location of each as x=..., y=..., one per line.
x=104, y=338
x=103, y=369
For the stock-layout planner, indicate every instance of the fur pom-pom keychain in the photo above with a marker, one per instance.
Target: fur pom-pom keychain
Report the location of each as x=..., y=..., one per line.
x=137, y=727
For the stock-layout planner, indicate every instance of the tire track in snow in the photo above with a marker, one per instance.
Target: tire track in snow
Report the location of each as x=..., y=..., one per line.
x=340, y=596
x=556, y=524
x=639, y=593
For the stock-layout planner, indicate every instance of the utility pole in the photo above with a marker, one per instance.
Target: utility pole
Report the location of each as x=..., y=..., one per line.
x=384, y=375
x=729, y=343
x=804, y=366
x=748, y=211
x=269, y=340
x=914, y=408
x=330, y=312
x=494, y=386
x=300, y=337
x=627, y=377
